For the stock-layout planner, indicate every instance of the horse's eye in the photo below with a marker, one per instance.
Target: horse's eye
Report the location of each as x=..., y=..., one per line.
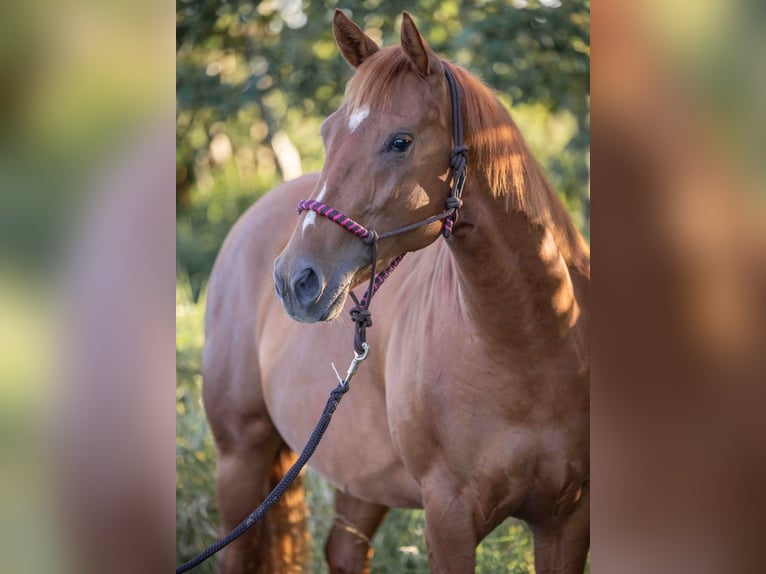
x=400, y=143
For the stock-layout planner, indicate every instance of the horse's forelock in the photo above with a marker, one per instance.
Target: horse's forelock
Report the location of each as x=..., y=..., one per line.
x=378, y=80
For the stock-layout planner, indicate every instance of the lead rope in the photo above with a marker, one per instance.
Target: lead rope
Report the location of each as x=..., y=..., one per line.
x=360, y=314
x=324, y=421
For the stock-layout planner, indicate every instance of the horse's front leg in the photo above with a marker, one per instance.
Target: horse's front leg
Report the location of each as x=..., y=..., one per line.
x=348, y=546
x=563, y=547
x=450, y=530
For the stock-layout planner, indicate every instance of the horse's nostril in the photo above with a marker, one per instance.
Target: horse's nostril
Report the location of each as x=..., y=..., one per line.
x=306, y=286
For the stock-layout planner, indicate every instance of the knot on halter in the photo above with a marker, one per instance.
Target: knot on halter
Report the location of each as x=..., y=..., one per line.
x=371, y=238
x=363, y=319
x=458, y=157
x=361, y=316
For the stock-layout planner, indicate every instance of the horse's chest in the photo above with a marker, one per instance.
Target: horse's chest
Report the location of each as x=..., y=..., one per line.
x=438, y=381
x=485, y=421
x=441, y=405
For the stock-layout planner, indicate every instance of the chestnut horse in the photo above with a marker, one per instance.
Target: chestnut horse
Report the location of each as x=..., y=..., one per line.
x=474, y=402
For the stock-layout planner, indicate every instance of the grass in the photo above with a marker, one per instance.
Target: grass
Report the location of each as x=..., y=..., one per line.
x=399, y=544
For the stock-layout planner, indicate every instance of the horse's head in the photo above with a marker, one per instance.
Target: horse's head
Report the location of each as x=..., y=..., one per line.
x=387, y=166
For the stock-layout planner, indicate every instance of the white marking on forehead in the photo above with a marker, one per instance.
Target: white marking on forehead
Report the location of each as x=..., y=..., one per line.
x=356, y=119
x=311, y=216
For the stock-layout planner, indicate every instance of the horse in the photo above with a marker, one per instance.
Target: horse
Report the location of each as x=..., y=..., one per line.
x=474, y=401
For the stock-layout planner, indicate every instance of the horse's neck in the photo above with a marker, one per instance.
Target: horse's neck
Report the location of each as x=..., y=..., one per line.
x=513, y=282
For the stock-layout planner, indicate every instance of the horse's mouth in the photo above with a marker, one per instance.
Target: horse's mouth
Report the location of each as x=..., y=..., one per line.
x=359, y=279
x=336, y=305
x=327, y=308
x=331, y=302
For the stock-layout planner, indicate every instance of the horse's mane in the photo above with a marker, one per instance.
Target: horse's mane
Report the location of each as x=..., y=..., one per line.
x=497, y=152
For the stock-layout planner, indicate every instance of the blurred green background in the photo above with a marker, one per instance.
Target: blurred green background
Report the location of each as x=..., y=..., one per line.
x=254, y=81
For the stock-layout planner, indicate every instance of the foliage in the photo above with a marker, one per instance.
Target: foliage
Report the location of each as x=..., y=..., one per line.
x=201, y=227
x=197, y=517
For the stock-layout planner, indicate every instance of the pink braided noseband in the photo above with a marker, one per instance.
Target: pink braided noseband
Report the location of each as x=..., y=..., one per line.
x=335, y=216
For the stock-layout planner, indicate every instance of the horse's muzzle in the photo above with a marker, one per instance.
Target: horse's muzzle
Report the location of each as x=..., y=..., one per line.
x=304, y=293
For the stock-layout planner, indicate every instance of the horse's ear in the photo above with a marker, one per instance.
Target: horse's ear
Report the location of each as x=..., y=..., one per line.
x=416, y=48
x=354, y=44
